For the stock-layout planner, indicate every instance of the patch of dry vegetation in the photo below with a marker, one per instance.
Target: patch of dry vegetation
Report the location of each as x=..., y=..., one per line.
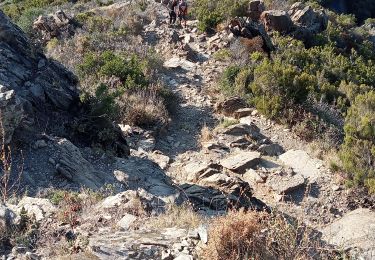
x=256, y=235
x=206, y=134
x=182, y=216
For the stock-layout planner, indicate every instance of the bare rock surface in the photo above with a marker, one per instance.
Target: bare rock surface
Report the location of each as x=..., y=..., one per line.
x=57, y=25
x=302, y=163
x=75, y=168
x=241, y=162
x=277, y=20
x=355, y=230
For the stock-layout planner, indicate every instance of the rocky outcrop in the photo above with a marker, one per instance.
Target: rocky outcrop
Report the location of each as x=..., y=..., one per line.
x=354, y=232
x=230, y=105
x=77, y=169
x=57, y=25
x=11, y=113
x=307, y=21
x=245, y=27
x=277, y=20
x=35, y=82
x=40, y=208
x=241, y=162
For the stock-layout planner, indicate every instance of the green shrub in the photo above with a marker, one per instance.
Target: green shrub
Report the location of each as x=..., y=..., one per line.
x=211, y=13
x=358, y=150
x=129, y=70
x=26, y=19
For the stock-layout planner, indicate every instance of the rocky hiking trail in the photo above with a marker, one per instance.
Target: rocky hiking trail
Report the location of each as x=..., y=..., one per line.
x=256, y=156
x=216, y=154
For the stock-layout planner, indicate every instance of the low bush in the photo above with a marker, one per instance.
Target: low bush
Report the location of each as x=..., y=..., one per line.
x=211, y=13
x=254, y=235
x=358, y=150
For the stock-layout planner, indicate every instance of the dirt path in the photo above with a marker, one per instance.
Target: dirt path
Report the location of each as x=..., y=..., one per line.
x=318, y=203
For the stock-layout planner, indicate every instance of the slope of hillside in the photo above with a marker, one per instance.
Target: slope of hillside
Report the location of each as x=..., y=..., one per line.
x=130, y=138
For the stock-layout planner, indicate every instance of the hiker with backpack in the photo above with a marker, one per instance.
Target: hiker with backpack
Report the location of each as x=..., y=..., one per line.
x=182, y=11
x=172, y=8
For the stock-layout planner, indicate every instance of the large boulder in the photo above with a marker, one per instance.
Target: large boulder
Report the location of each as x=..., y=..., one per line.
x=305, y=16
x=230, y=105
x=307, y=21
x=277, y=20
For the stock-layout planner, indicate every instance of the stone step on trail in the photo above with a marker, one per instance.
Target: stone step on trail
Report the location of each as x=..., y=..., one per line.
x=241, y=162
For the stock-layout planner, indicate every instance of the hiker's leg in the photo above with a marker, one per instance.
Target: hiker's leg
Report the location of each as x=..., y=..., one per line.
x=174, y=17
x=170, y=17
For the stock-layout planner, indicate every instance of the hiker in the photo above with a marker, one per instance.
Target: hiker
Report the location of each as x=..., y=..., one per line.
x=182, y=11
x=172, y=6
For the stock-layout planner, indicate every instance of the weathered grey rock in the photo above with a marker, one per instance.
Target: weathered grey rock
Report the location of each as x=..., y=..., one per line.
x=174, y=37
x=41, y=208
x=126, y=221
x=194, y=170
x=253, y=176
x=303, y=15
x=203, y=233
x=198, y=170
x=177, y=62
x=7, y=217
x=133, y=244
x=284, y=182
x=162, y=160
x=242, y=130
x=271, y=149
x=214, y=145
x=143, y=173
x=243, y=112
x=355, y=230
x=277, y=20
x=11, y=113
x=77, y=169
x=241, y=162
x=39, y=83
x=183, y=256
x=302, y=163
x=230, y=105
x=40, y=144
x=57, y=25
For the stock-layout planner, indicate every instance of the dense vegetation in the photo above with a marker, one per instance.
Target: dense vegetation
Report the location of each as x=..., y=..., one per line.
x=323, y=90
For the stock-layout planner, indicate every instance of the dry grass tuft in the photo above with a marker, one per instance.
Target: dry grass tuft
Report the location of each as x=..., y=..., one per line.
x=256, y=235
x=206, y=134
x=182, y=216
x=145, y=109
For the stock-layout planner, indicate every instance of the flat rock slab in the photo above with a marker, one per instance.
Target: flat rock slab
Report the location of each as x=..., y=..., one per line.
x=284, y=184
x=176, y=62
x=355, y=230
x=302, y=163
x=271, y=149
x=242, y=129
x=241, y=162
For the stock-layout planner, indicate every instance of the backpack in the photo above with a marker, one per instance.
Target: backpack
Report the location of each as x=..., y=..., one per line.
x=182, y=6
